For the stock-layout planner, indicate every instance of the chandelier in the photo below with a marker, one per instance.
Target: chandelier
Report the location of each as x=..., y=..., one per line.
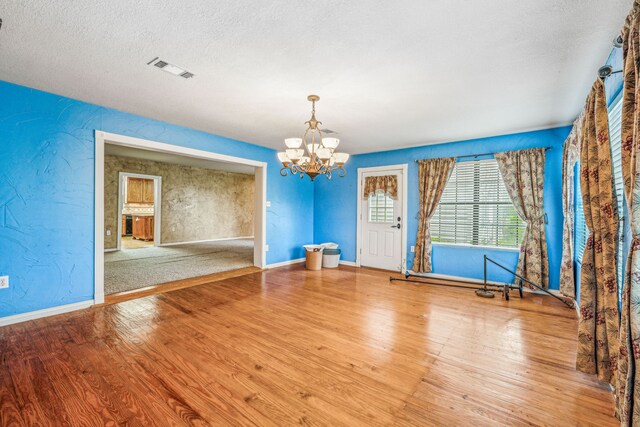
x=317, y=155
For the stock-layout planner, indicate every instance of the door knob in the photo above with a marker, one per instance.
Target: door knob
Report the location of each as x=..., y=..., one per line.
x=396, y=226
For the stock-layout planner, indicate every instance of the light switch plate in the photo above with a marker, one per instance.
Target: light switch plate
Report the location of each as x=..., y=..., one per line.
x=108, y=232
x=266, y=248
x=4, y=282
x=413, y=249
x=268, y=203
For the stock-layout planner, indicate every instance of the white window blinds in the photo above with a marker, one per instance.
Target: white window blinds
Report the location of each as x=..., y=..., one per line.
x=380, y=208
x=615, y=134
x=581, y=232
x=475, y=208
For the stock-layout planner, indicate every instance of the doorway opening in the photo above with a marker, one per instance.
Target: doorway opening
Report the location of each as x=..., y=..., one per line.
x=167, y=214
x=139, y=211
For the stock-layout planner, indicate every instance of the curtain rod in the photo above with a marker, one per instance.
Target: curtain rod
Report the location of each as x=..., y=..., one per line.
x=489, y=154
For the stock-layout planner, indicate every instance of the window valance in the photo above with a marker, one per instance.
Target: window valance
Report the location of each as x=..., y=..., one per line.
x=387, y=184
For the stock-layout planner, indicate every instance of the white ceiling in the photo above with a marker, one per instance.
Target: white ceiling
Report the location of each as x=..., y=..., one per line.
x=155, y=156
x=390, y=73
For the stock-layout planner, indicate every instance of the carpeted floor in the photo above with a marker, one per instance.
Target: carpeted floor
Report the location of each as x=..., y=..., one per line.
x=138, y=268
x=129, y=242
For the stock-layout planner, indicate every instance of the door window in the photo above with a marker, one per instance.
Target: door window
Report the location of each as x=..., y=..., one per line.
x=380, y=208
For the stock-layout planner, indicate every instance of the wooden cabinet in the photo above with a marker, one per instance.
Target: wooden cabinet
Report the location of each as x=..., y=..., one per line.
x=139, y=190
x=143, y=227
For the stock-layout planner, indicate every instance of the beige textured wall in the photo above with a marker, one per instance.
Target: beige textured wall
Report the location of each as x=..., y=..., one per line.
x=197, y=204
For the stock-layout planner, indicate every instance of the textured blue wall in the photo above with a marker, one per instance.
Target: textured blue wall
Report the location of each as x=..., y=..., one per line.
x=47, y=193
x=335, y=202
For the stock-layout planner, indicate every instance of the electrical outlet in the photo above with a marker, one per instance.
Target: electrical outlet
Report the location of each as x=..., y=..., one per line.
x=173, y=228
x=413, y=249
x=4, y=282
x=108, y=232
x=266, y=248
x=268, y=203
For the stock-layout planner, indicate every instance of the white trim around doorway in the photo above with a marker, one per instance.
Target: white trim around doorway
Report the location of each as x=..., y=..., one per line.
x=102, y=138
x=405, y=194
x=157, y=205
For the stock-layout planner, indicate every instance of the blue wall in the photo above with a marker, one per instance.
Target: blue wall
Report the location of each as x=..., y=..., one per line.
x=47, y=193
x=335, y=202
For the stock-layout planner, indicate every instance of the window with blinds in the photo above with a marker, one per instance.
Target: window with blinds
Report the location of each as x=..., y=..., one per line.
x=475, y=209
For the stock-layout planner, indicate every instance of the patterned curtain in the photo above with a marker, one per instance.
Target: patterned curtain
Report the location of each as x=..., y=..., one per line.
x=523, y=175
x=599, y=323
x=386, y=184
x=570, y=155
x=433, y=175
x=628, y=384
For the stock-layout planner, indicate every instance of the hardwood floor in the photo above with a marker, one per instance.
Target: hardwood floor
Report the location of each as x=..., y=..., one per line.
x=288, y=346
x=175, y=285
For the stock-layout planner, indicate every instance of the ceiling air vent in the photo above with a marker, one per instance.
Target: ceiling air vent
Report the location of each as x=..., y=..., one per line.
x=170, y=68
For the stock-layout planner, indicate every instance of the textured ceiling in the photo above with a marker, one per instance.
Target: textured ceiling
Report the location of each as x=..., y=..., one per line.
x=390, y=74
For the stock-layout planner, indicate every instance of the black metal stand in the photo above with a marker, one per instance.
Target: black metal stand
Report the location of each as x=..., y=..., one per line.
x=486, y=287
x=521, y=279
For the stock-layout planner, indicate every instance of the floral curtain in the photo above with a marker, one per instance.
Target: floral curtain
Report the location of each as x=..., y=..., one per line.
x=628, y=385
x=433, y=175
x=523, y=175
x=599, y=323
x=570, y=155
x=386, y=184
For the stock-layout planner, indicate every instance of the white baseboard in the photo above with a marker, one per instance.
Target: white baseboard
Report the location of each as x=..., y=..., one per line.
x=205, y=241
x=284, y=263
x=349, y=263
x=23, y=317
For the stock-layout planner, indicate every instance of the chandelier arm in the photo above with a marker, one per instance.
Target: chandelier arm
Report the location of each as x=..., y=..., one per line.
x=341, y=171
x=285, y=170
x=304, y=142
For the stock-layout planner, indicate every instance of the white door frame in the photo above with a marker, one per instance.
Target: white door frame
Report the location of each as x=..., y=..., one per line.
x=361, y=171
x=157, y=203
x=102, y=138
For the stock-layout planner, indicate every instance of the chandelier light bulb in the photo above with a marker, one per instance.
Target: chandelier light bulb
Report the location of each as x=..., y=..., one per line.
x=293, y=142
x=283, y=158
x=294, y=154
x=324, y=153
x=330, y=143
x=341, y=158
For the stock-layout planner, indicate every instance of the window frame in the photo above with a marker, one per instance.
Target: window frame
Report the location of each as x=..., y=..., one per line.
x=521, y=226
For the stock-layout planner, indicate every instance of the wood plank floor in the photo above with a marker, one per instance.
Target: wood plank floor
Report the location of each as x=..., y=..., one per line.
x=288, y=346
x=175, y=285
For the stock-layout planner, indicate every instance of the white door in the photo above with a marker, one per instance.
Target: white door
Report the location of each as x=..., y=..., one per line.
x=381, y=226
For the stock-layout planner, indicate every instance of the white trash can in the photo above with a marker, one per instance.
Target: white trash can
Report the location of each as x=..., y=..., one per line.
x=331, y=258
x=330, y=245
